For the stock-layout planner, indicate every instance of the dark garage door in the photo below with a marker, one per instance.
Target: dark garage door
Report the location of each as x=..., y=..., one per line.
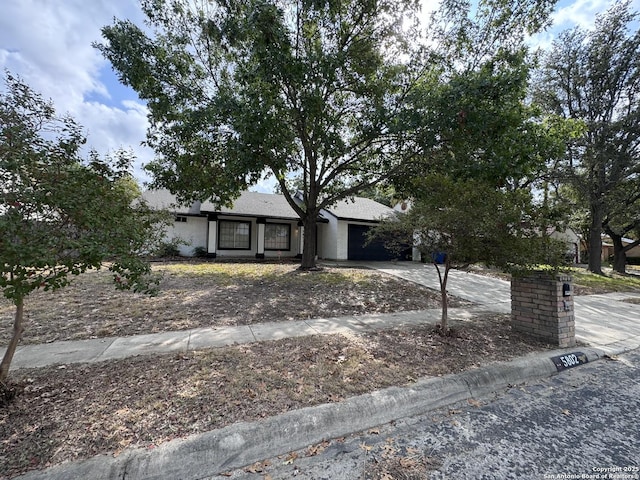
x=357, y=250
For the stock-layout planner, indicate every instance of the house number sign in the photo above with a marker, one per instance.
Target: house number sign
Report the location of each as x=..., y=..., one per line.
x=569, y=360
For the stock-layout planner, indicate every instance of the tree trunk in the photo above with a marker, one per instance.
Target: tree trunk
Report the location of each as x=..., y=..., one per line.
x=444, y=299
x=309, y=244
x=13, y=343
x=619, y=254
x=595, y=238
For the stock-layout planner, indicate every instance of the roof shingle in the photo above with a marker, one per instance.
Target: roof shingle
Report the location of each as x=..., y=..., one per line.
x=269, y=205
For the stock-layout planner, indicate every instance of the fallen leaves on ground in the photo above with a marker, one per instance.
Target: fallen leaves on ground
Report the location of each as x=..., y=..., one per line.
x=258, y=467
x=317, y=449
x=394, y=462
x=204, y=295
x=87, y=409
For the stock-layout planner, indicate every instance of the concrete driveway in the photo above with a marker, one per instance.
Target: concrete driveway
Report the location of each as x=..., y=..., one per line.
x=602, y=320
x=478, y=289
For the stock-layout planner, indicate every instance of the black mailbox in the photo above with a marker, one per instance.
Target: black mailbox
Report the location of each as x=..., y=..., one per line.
x=566, y=289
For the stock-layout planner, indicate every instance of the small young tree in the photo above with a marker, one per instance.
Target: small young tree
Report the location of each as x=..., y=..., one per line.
x=60, y=216
x=458, y=222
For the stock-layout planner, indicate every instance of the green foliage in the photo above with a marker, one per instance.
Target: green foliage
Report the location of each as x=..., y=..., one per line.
x=283, y=87
x=60, y=216
x=594, y=77
x=169, y=248
x=471, y=221
x=237, y=88
x=609, y=283
x=200, y=252
x=482, y=147
x=477, y=125
x=340, y=96
x=469, y=33
x=382, y=193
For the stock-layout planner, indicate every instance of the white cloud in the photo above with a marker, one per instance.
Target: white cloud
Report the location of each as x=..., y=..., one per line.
x=49, y=44
x=110, y=128
x=570, y=14
x=581, y=13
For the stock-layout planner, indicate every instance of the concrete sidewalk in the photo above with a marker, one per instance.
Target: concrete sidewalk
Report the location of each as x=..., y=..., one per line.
x=111, y=348
x=610, y=325
x=601, y=320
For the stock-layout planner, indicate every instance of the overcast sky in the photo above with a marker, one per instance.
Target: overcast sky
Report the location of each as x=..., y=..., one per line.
x=48, y=43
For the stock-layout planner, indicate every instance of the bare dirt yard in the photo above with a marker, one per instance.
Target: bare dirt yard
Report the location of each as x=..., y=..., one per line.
x=70, y=412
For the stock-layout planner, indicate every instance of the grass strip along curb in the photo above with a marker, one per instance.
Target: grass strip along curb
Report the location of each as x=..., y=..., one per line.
x=245, y=443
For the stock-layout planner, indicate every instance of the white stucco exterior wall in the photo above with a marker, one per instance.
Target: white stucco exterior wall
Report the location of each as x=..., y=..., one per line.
x=193, y=232
x=572, y=240
x=327, y=239
x=334, y=238
x=342, y=239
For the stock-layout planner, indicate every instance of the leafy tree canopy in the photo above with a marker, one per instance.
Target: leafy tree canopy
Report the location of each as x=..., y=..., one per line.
x=594, y=77
x=338, y=95
x=60, y=215
x=470, y=108
x=483, y=145
x=288, y=87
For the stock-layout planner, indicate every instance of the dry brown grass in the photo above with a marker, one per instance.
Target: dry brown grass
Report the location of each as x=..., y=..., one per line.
x=195, y=295
x=71, y=412
x=82, y=410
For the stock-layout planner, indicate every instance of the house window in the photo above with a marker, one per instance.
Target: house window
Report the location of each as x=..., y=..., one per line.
x=277, y=236
x=234, y=235
x=181, y=219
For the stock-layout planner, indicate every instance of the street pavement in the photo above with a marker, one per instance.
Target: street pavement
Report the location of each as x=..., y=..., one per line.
x=606, y=323
x=582, y=424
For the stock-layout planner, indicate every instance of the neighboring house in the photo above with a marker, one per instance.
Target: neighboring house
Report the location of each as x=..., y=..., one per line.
x=264, y=225
x=572, y=239
x=607, y=248
x=634, y=252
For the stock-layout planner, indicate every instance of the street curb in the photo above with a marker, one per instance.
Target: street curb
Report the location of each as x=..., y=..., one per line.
x=244, y=443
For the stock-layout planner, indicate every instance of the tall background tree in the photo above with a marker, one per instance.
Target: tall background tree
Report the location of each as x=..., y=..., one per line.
x=483, y=146
x=594, y=77
x=59, y=214
x=291, y=88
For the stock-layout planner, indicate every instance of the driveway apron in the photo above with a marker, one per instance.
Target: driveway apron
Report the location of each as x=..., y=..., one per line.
x=603, y=320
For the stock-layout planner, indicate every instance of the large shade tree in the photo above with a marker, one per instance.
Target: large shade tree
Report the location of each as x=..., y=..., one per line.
x=305, y=89
x=320, y=91
x=594, y=76
x=61, y=215
x=470, y=108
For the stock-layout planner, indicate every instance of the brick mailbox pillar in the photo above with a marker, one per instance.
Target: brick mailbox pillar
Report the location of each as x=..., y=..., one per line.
x=542, y=307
